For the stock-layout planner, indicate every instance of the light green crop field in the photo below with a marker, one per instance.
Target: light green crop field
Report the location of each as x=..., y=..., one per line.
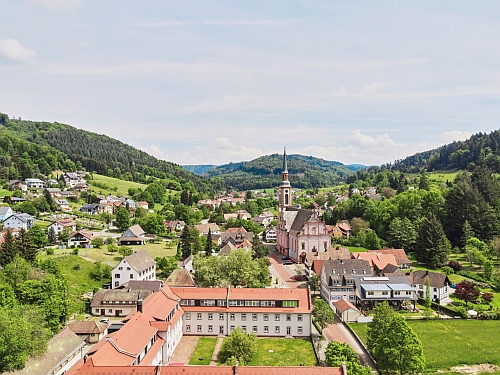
x=120, y=185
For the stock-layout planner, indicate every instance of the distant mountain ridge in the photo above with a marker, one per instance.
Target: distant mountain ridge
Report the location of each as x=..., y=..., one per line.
x=265, y=172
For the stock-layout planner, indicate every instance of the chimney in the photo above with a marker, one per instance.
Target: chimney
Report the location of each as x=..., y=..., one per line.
x=139, y=302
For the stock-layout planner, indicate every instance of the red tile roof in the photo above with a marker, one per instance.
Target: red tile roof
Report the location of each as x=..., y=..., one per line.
x=153, y=351
x=399, y=254
x=342, y=305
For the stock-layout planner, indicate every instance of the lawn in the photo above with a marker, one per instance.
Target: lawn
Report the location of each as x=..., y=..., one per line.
x=442, y=176
x=121, y=186
x=203, y=352
x=79, y=281
x=285, y=352
x=357, y=249
x=449, y=343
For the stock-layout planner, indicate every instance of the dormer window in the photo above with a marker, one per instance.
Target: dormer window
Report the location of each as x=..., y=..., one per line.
x=343, y=271
x=353, y=272
x=364, y=272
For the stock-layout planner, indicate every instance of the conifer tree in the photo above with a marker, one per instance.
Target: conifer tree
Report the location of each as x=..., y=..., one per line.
x=8, y=249
x=432, y=246
x=25, y=246
x=208, y=245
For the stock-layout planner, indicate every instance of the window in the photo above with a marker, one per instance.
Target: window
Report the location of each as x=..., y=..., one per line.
x=408, y=293
x=370, y=293
x=277, y=329
x=303, y=245
x=397, y=293
x=252, y=303
x=266, y=329
x=131, y=275
x=207, y=302
x=187, y=302
x=268, y=303
x=277, y=317
x=120, y=268
x=188, y=328
x=352, y=297
x=244, y=328
x=210, y=316
x=288, y=317
x=117, y=283
x=221, y=302
x=266, y=317
x=198, y=328
x=385, y=292
x=299, y=330
x=188, y=316
x=117, y=275
x=243, y=316
x=128, y=268
x=254, y=316
x=221, y=316
x=198, y=316
x=236, y=303
x=290, y=303
x=210, y=328
x=435, y=289
x=110, y=311
x=231, y=316
x=299, y=317
x=231, y=328
x=254, y=329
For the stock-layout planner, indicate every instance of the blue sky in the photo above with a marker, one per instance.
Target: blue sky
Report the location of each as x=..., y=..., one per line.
x=198, y=82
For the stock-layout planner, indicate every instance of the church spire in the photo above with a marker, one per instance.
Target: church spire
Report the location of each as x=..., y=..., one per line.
x=285, y=169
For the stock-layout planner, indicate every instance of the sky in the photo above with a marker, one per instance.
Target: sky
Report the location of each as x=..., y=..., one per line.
x=212, y=82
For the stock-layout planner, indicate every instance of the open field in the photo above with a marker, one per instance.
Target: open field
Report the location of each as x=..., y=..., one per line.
x=203, y=352
x=449, y=343
x=120, y=185
x=357, y=249
x=442, y=176
x=285, y=352
x=112, y=259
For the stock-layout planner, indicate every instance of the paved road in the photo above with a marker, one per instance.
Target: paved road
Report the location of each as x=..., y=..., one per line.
x=285, y=272
x=338, y=332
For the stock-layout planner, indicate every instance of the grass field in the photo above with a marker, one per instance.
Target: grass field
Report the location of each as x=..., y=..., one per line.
x=162, y=249
x=120, y=185
x=442, y=176
x=79, y=281
x=203, y=352
x=357, y=249
x=449, y=343
x=285, y=352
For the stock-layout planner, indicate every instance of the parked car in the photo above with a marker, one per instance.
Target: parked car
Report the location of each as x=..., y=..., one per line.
x=288, y=262
x=284, y=257
x=297, y=278
x=105, y=320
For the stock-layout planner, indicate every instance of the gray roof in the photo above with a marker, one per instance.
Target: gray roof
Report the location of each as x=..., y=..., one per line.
x=436, y=279
x=60, y=348
x=4, y=210
x=300, y=219
x=341, y=269
x=117, y=295
x=140, y=261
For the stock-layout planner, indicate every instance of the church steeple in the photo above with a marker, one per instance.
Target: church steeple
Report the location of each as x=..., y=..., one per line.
x=285, y=198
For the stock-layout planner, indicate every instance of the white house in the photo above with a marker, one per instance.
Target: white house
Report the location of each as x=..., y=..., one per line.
x=439, y=285
x=34, y=183
x=138, y=266
x=59, y=225
x=271, y=234
x=19, y=221
x=5, y=212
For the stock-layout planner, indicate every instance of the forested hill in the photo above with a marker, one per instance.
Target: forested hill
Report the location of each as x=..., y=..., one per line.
x=265, y=172
x=479, y=149
x=94, y=152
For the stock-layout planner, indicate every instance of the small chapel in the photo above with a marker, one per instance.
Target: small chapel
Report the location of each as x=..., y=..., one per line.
x=300, y=231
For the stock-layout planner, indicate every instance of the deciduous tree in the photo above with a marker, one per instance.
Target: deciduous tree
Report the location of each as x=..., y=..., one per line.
x=240, y=345
x=467, y=291
x=337, y=353
x=322, y=313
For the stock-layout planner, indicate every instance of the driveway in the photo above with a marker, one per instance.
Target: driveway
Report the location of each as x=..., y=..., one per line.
x=338, y=332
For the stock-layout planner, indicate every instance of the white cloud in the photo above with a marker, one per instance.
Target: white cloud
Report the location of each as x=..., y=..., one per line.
x=262, y=22
x=60, y=5
x=15, y=51
x=456, y=135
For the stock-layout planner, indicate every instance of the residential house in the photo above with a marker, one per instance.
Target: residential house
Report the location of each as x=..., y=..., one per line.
x=175, y=226
x=34, y=183
x=5, y=212
x=187, y=263
x=54, y=192
x=264, y=219
x=63, y=205
x=81, y=238
x=73, y=179
x=107, y=208
x=17, y=185
x=313, y=261
x=63, y=351
x=116, y=302
x=81, y=186
x=439, y=285
x=238, y=234
x=337, y=278
x=346, y=311
x=89, y=331
x=271, y=234
x=138, y=266
x=151, y=285
x=143, y=204
x=68, y=194
x=19, y=221
x=378, y=261
x=180, y=277
x=51, y=182
x=402, y=260
x=203, y=229
x=59, y=225
x=341, y=230
x=371, y=290
x=90, y=208
x=134, y=235
x=262, y=311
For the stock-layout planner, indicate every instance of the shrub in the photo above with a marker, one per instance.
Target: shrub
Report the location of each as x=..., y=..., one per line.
x=76, y=266
x=462, y=311
x=75, y=251
x=447, y=270
x=456, y=266
x=49, y=251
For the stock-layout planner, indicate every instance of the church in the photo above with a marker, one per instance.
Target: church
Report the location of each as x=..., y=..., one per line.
x=300, y=231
